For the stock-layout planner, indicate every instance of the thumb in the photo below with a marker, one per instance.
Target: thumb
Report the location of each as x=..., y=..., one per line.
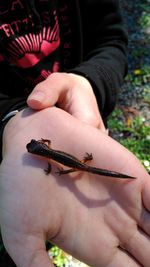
x=48, y=92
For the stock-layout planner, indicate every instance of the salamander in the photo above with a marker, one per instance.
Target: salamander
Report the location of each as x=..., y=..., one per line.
x=42, y=148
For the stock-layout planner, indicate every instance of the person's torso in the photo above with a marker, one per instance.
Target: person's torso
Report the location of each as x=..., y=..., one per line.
x=37, y=37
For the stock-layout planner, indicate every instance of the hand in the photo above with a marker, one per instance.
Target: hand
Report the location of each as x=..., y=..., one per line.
x=73, y=93
x=101, y=221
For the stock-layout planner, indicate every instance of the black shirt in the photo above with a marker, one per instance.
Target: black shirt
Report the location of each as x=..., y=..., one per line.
x=38, y=37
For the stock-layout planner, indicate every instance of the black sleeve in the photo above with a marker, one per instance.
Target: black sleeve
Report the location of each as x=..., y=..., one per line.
x=8, y=104
x=12, y=90
x=104, y=45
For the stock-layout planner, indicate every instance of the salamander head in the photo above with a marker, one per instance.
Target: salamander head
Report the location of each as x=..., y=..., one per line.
x=31, y=146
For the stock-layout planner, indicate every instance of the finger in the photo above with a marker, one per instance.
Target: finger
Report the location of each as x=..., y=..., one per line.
x=39, y=258
x=123, y=259
x=144, y=221
x=135, y=244
x=146, y=194
x=26, y=250
x=47, y=93
x=72, y=93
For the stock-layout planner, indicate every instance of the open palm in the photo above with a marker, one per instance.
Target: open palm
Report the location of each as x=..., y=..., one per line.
x=102, y=221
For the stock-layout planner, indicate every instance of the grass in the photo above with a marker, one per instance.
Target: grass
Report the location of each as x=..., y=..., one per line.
x=134, y=134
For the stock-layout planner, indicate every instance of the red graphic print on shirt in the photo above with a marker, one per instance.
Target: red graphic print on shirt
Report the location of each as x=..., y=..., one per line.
x=30, y=37
x=28, y=50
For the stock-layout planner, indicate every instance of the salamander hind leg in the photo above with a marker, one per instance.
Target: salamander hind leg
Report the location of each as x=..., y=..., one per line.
x=61, y=171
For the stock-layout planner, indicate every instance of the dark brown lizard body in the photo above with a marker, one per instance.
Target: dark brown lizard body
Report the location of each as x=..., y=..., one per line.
x=42, y=148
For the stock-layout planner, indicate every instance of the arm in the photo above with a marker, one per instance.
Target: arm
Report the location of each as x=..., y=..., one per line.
x=104, y=65
x=12, y=88
x=8, y=104
x=104, y=46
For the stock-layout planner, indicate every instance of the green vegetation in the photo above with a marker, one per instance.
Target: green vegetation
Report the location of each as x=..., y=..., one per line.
x=140, y=76
x=134, y=134
x=145, y=20
x=61, y=259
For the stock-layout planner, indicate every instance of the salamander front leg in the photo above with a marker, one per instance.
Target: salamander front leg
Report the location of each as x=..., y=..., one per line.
x=46, y=141
x=87, y=157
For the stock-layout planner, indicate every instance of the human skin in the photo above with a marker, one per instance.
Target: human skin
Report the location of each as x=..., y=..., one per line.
x=71, y=92
x=104, y=222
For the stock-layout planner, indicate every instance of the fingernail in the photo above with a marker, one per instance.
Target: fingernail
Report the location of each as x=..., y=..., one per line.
x=38, y=96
